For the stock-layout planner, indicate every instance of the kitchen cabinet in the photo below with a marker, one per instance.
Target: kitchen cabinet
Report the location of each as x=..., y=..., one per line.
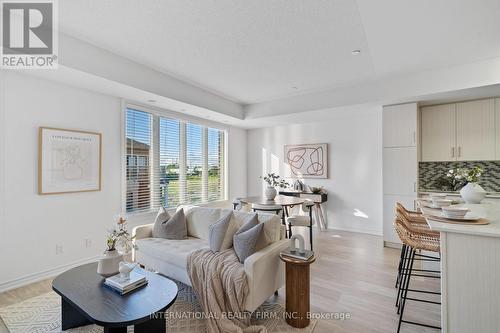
x=476, y=130
x=400, y=170
x=497, y=127
x=400, y=125
x=463, y=131
x=400, y=137
x=438, y=133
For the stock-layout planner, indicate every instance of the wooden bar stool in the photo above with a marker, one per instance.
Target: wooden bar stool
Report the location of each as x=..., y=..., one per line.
x=415, y=240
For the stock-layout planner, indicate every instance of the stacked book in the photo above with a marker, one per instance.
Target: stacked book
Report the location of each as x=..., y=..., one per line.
x=295, y=254
x=123, y=285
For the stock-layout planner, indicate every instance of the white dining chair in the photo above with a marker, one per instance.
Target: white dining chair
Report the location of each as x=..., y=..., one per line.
x=302, y=220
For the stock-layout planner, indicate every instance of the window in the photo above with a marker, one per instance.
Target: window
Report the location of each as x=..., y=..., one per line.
x=171, y=162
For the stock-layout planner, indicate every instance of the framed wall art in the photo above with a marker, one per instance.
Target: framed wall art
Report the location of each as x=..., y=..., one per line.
x=307, y=160
x=68, y=161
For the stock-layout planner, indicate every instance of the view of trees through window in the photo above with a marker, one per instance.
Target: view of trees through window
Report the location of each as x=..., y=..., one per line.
x=170, y=162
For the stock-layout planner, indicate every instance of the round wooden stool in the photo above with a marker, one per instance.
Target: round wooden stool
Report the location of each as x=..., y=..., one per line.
x=297, y=291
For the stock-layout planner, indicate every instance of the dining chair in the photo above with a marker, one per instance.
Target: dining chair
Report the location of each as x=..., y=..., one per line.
x=256, y=207
x=302, y=220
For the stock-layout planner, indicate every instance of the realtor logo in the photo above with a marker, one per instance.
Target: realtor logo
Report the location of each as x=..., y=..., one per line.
x=29, y=34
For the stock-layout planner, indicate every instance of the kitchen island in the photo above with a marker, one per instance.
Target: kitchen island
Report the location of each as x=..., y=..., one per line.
x=470, y=272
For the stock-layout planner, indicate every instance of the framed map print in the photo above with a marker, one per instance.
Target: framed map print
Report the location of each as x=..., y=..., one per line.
x=68, y=161
x=307, y=160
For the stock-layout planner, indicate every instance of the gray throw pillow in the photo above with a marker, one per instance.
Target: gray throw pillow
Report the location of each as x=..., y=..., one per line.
x=162, y=217
x=217, y=232
x=175, y=227
x=245, y=240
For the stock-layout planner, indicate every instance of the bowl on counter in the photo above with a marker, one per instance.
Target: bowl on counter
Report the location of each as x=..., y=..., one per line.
x=437, y=196
x=455, y=212
x=438, y=202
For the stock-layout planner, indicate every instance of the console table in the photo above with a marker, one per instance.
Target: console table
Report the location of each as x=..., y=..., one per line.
x=318, y=199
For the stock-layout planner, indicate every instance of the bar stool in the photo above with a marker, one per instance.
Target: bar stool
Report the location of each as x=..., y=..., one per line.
x=416, y=240
x=416, y=220
x=302, y=220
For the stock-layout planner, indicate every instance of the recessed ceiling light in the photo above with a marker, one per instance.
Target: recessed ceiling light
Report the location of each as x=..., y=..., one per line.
x=151, y=101
x=294, y=87
x=356, y=52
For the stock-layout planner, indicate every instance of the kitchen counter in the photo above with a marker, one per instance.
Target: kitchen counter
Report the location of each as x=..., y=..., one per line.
x=427, y=192
x=470, y=267
x=487, y=210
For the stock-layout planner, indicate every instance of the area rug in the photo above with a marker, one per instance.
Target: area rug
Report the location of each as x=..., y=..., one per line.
x=42, y=314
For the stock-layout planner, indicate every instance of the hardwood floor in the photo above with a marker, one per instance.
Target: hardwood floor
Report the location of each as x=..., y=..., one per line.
x=353, y=274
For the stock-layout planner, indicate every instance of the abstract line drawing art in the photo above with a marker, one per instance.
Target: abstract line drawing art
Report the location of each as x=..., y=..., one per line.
x=307, y=160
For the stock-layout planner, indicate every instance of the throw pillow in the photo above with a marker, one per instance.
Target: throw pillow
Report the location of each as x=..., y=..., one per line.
x=217, y=233
x=162, y=217
x=245, y=239
x=175, y=227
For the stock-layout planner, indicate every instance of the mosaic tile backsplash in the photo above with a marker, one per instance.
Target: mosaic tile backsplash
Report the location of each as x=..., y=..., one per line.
x=429, y=174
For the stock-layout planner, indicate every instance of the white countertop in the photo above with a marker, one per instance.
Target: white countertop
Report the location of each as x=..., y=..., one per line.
x=489, y=211
x=427, y=192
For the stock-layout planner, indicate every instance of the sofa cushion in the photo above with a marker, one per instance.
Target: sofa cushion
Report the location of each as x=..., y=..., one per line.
x=199, y=218
x=245, y=240
x=175, y=227
x=158, y=228
x=218, y=233
x=171, y=251
x=272, y=226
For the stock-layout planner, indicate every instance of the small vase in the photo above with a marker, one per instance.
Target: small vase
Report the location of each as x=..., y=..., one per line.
x=270, y=193
x=109, y=263
x=472, y=193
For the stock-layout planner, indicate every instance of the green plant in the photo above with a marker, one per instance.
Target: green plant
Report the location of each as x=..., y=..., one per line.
x=457, y=178
x=274, y=180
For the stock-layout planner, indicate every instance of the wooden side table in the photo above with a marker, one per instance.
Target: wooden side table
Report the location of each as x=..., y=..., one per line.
x=297, y=291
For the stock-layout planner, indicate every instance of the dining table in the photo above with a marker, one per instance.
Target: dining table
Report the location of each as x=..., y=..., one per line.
x=470, y=268
x=286, y=202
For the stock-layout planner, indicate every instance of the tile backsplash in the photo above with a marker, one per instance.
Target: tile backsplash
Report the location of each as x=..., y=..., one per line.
x=429, y=173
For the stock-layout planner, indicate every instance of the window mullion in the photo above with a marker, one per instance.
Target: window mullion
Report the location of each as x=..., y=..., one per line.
x=155, y=163
x=204, y=173
x=182, y=163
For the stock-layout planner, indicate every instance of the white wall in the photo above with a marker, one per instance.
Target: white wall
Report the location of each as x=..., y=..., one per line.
x=355, y=165
x=32, y=225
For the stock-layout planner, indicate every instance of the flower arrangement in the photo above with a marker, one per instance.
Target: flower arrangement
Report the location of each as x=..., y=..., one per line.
x=457, y=178
x=119, y=237
x=274, y=180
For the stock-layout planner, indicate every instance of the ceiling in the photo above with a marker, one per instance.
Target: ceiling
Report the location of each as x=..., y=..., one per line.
x=261, y=50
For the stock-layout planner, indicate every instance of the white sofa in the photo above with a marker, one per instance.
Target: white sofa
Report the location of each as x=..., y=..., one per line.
x=264, y=269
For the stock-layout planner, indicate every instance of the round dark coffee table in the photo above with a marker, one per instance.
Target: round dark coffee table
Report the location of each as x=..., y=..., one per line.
x=85, y=300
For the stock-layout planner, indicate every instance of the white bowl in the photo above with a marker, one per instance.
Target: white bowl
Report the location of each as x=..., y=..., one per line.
x=455, y=212
x=441, y=202
x=437, y=196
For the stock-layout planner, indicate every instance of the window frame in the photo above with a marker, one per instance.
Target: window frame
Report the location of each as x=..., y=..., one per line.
x=160, y=112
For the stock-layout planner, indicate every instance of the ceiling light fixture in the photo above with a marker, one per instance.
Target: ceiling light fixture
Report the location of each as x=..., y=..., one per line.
x=356, y=52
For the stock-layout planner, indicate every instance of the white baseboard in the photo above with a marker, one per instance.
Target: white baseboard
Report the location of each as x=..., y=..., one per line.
x=35, y=277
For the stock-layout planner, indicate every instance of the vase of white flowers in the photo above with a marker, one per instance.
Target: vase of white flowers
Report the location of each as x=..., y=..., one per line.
x=273, y=181
x=119, y=245
x=472, y=192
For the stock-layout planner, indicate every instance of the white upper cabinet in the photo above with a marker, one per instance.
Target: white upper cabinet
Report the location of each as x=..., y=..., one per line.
x=400, y=170
x=497, y=125
x=476, y=130
x=438, y=133
x=400, y=125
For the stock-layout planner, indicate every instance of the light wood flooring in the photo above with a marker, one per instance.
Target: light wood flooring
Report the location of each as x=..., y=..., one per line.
x=353, y=274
